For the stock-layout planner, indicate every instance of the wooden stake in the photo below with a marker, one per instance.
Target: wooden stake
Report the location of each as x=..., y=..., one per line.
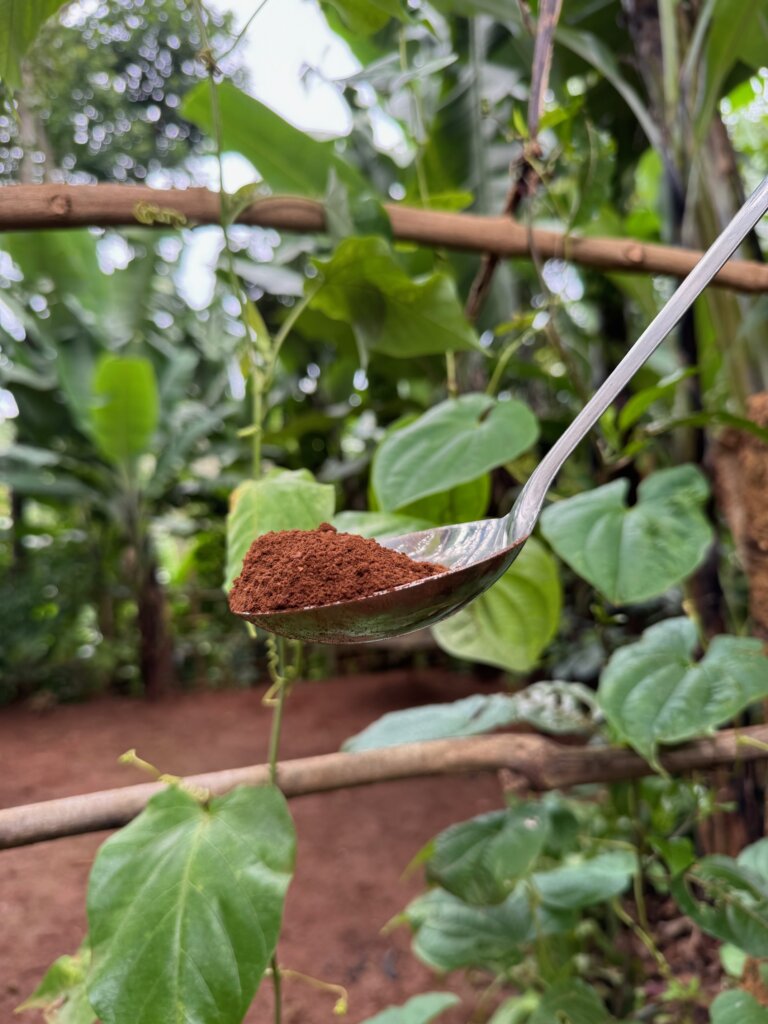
x=25, y=207
x=541, y=764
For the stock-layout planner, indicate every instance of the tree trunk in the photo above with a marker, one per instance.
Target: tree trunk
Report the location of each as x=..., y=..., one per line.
x=741, y=463
x=18, y=551
x=155, y=641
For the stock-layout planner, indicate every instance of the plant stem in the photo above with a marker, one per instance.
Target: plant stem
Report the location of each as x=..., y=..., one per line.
x=288, y=324
x=258, y=383
x=501, y=364
x=637, y=877
x=647, y=940
x=451, y=382
x=277, y=987
x=342, y=996
x=244, y=29
x=277, y=718
x=417, y=116
x=277, y=670
x=422, y=183
x=257, y=407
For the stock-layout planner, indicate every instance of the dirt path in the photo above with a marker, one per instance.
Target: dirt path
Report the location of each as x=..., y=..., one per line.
x=353, y=846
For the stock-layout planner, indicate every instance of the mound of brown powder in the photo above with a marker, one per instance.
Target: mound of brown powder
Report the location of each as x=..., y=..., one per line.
x=299, y=568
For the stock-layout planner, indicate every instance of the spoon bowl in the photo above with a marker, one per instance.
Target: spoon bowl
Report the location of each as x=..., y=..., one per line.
x=476, y=554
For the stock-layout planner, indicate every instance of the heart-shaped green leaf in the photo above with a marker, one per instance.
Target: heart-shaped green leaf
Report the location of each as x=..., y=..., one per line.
x=61, y=994
x=481, y=860
x=512, y=623
x=185, y=905
x=125, y=406
x=364, y=286
x=451, y=934
x=631, y=554
x=571, y=1002
x=284, y=500
x=586, y=881
x=454, y=442
x=420, y=1010
x=653, y=691
x=737, y=1007
x=551, y=707
x=726, y=900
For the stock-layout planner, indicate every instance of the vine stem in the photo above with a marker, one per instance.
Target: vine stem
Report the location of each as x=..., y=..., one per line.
x=422, y=183
x=257, y=383
x=277, y=714
x=274, y=752
x=277, y=987
x=638, y=880
x=289, y=322
x=224, y=217
x=257, y=412
x=244, y=29
x=647, y=940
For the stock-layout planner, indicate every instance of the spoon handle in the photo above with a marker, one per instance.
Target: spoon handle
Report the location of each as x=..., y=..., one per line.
x=528, y=506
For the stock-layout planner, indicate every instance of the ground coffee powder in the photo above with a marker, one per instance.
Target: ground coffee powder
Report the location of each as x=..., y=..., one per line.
x=299, y=568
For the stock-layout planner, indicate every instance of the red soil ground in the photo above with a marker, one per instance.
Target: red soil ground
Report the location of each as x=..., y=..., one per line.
x=353, y=845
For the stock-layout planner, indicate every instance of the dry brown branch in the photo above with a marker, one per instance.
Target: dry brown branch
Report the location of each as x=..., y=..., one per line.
x=524, y=175
x=25, y=207
x=542, y=764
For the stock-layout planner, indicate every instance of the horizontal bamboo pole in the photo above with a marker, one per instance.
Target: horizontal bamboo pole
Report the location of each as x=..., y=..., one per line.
x=24, y=207
x=542, y=764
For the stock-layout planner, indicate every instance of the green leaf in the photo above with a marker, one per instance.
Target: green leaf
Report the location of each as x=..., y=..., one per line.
x=452, y=443
x=378, y=524
x=594, y=51
x=755, y=858
x=451, y=934
x=191, y=422
x=462, y=504
x=677, y=851
x=42, y=483
x=585, y=881
x=125, y=409
x=734, y=22
x=419, y=1010
x=185, y=905
x=552, y=707
x=287, y=159
x=517, y=1010
x=729, y=902
x=653, y=692
x=481, y=860
x=733, y=960
x=65, y=264
x=348, y=214
x=20, y=21
x=513, y=622
x=633, y=554
x=284, y=500
x=641, y=401
x=365, y=287
x=364, y=17
x=572, y=1002
x=61, y=994
x=737, y=1007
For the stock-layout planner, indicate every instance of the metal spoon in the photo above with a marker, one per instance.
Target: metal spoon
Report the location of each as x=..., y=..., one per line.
x=476, y=554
